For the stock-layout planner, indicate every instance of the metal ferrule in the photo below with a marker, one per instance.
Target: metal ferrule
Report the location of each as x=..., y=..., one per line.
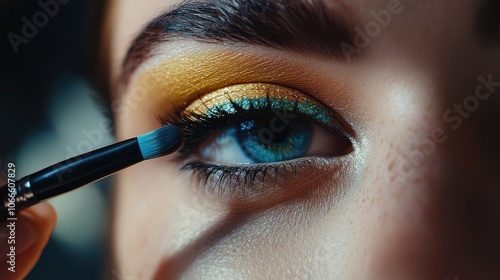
x=24, y=195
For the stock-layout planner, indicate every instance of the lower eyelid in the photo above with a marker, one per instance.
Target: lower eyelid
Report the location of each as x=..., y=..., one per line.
x=253, y=180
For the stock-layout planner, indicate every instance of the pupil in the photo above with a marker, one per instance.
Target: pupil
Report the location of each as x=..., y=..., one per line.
x=280, y=131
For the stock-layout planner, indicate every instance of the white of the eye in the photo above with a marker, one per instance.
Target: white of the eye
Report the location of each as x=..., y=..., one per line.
x=225, y=149
x=323, y=143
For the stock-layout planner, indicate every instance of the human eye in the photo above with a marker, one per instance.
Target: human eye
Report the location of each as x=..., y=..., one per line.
x=240, y=134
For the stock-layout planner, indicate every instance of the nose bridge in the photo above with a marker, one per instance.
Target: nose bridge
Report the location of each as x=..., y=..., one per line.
x=469, y=191
x=470, y=118
x=443, y=185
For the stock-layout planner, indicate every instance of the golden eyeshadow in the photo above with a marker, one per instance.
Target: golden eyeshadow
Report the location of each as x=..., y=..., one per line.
x=178, y=81
x=183, y=79
x=259, y=96
x=173, y=83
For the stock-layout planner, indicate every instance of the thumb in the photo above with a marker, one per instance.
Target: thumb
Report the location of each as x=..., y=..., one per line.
x=22, y=240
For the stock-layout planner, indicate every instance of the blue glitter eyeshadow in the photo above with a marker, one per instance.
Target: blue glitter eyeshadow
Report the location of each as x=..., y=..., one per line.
x=282, y=105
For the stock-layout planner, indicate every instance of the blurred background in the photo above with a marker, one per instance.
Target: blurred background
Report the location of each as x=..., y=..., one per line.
x=49, y=113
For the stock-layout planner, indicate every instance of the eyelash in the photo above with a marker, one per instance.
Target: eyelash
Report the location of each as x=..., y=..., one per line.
x=224, y=178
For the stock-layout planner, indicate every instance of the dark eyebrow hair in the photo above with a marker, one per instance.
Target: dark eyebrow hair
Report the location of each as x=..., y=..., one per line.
x=301, y=25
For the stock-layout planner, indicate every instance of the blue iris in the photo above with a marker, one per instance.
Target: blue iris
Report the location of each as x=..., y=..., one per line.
x=264, y=139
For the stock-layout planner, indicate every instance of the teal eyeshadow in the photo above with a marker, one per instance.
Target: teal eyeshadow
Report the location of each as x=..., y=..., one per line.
x=306, y=108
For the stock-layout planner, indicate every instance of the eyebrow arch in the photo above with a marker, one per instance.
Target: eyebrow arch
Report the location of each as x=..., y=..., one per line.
x=308, y=26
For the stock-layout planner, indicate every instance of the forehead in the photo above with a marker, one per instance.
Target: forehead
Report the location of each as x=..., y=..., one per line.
x=401, y=19
x=127, y=18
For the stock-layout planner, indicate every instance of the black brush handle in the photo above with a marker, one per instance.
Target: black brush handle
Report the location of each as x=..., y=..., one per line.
x=69, y=175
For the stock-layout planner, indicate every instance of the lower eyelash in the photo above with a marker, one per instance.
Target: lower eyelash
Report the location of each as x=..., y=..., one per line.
x=241, y=178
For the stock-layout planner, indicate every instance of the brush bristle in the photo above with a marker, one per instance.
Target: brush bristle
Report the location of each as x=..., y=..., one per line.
x=160, y=142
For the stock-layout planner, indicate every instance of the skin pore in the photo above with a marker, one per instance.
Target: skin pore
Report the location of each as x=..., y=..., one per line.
x=369, y=214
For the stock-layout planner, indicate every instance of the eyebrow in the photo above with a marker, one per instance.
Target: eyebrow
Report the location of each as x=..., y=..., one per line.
x=308, y=26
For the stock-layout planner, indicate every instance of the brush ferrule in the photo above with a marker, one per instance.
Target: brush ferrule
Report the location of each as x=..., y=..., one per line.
x=16, y=198
x=24, y=194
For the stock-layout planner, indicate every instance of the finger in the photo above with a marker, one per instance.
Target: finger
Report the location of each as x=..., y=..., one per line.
x=29, y=235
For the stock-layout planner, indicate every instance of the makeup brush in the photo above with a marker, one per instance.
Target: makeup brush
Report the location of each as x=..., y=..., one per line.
x=87, y=168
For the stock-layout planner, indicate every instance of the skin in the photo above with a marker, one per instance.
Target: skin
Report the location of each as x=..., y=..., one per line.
x=417, y=198
x=33, y=229
x=369, y=215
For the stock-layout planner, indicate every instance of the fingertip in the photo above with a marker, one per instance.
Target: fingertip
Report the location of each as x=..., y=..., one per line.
x=33, y=228
x=42, y=216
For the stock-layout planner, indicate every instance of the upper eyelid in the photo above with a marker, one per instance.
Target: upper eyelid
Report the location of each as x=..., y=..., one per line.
x=193, y=122
x=205, y=102
x=181, y=79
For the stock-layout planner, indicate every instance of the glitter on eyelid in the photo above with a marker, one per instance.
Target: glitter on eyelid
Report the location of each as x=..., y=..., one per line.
x=260, y=96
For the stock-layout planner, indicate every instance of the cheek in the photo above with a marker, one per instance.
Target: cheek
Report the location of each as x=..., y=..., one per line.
x=288, y=242
x=166, y=227
x=156, y=215
x=391, y=208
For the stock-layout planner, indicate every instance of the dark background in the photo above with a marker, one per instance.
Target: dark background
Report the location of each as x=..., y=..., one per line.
x=55, y=55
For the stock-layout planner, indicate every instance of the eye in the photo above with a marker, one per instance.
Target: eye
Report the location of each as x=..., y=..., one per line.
x=270, y=137
x=242, y=132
